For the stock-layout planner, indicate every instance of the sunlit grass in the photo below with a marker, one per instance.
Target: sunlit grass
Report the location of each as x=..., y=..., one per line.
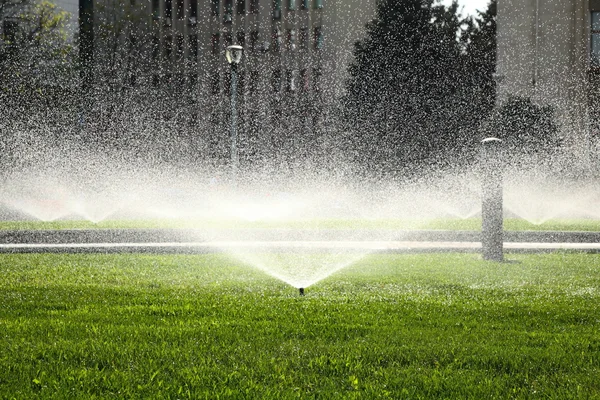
x=397, y=326
x=471, y=224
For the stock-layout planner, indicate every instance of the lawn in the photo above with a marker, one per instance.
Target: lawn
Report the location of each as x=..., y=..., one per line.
x=206, y=326
x=472, y=224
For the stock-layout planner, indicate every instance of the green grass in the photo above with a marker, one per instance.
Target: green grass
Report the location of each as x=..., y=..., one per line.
x=442, y=223
x=204, y=326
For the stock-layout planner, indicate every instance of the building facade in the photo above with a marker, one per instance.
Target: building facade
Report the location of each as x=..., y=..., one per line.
x=296, y=54
x=550, y=51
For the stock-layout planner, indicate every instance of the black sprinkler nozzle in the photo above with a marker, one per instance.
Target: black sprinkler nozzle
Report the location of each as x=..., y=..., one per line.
x=301, y=291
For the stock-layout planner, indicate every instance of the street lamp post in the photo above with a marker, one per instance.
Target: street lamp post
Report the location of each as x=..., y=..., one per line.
x=233, y=54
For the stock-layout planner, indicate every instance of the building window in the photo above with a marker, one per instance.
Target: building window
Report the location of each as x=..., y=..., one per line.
x=305, y=81
x=291, y=5
x=168, y=8
x=193, y=79
x=180, y=48
x=194, y=10
x=305, y=4
x=155, y=9
x=241, y=7
x=291, y=39
x=228, y=39
x=241, y=38
x=193, y=54
x=317, y=4
x=254, y=38
x=216, y=38
x=276, y=81
x=254, y=6
x=168, y=47
x=180, y=9
x=155, y=47
x=276, y=9
x=215, y=83
x=318, y=38
x=595, y=44
x=228, y=10
x=277, y=39
x=214, y=7
x=290, y=80
x=316, y=78
x=303, y=38
x=254, y=77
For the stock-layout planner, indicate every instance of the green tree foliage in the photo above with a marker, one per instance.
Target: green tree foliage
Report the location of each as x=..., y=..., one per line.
x=412, y=97
x=36, y=57
x=526, y=129
x=479, y=40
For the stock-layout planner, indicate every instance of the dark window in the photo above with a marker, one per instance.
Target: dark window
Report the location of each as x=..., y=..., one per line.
x=291, y=39
x=193, y=55
x=595, y=40
x=214, y=7
x=168, y=47
x=241, y=38
x=290, y=80
x=180, y=48
x=168, y=8
x=228, y=11
x=180, y=9
x=277, y=9
x=305, y=4
x=194, y=9
x=318, y=38
x=155, y=47
x=291, y=5
x=318, y=4
x=254, y=38
x=215, y=83
x=216, y=38
x=254, y=77
x=155, y=9
x=228, y=39
x=316, y=79
x=254, y=6
x=241, y=7
x=193, y=80
x=277, y=39
x=155, y=80
x=276, y=80
x=304, y=38
x=305, y=81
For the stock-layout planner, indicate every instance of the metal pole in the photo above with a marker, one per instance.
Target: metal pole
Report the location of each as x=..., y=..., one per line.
x=86, y=55
x=491, y=210
x=234, y=149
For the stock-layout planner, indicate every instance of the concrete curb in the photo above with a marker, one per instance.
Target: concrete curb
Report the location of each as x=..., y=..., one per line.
x=204, y=235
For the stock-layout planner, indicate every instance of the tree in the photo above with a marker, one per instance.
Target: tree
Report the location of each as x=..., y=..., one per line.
x=529, y=131
x=405, y=95
x=480, y=45
x=35, y=54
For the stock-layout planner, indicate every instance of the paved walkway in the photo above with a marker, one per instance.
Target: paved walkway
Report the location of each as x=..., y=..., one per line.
x=289, y=246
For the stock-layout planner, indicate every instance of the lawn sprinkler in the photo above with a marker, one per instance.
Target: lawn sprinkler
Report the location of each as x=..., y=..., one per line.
x=301, y=291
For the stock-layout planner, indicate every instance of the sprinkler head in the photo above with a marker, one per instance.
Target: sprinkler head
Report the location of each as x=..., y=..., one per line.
x=301, y=291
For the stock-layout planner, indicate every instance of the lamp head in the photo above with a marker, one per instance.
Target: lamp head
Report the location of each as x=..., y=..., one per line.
x=234, y=54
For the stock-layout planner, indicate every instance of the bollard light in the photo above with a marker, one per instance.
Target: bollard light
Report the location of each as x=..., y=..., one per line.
x=233, y=54
x=492, y=230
